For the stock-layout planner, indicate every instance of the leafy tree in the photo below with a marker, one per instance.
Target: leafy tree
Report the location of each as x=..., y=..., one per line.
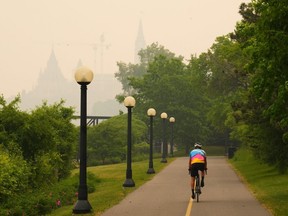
x=12, y=121
x=263, y=36
x=107, y=141
x=50, y=138
x=224, y=66
x=44, y=139
x=127, y=71
x=227, y=62
x=170, y=87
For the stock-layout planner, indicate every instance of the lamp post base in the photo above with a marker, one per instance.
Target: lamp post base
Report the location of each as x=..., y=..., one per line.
x=164, y=160
x=129, y=183
x=82, y=207
x=150, y=171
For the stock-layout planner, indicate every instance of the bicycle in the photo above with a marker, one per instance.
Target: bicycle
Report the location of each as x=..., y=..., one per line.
x=197, y=184
x=197, y=188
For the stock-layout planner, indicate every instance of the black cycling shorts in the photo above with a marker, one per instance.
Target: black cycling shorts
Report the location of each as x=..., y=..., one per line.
x=196, y=167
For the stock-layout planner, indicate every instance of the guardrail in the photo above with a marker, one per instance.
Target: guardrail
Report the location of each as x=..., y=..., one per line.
x=94, y=120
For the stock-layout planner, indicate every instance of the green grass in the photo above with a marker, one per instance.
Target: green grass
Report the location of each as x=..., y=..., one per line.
x=109, y=190
x=269, y=187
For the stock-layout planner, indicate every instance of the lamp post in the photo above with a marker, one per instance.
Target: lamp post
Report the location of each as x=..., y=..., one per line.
x=83, y=77
x=172, y=121
x=129, y=102
x=151, y=113
x=164, y=141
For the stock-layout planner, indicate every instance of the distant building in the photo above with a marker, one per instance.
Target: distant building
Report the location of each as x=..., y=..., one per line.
x=52, y=87
x=139, y=43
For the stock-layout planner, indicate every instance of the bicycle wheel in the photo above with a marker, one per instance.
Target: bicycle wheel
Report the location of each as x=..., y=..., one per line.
x=197, y=188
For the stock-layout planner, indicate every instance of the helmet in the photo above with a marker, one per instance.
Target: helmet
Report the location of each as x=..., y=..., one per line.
x=197, y=145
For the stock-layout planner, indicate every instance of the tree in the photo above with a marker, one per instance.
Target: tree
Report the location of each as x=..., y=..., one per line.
x=226, y=62
x=263, y=36
x=127, y=71
x=44, y=139
x=224, y=66
x=107, y=141
x=170, y=87
x=36, y=149
x=12, y=122
x=51, y=138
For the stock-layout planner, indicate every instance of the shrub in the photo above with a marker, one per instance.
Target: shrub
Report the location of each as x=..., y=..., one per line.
x=14, y=174
x=107, y=141
x=42, y=202
x=141, y=148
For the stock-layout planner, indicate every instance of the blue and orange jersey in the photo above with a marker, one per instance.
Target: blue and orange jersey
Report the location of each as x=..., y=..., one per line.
x=197, y=156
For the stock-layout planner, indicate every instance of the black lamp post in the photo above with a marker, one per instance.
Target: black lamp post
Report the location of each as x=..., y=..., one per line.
x=83, y=77
x=172, y=121
x=164, y=141
x=151, y=113
x=129, y=102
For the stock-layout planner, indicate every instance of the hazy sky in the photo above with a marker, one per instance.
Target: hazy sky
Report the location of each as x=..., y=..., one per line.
x=30, y=29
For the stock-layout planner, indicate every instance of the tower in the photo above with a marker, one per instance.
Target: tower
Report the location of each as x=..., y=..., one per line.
x=51, y=86
x=52, y=75
x=139, y=43
x=102, y=46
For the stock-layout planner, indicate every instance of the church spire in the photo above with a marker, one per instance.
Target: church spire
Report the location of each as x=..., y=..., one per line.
x=139, y=42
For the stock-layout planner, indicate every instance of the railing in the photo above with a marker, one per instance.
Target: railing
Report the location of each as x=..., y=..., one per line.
x=94, y=120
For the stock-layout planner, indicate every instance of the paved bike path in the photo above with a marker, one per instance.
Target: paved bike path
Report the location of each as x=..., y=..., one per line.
x=225, y=194
x=168, y=194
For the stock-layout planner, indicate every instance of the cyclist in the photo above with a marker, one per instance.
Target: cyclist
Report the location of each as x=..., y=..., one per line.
x=197, y=161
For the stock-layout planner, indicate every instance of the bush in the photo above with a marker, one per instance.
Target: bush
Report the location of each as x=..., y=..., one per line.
x=107, y=141
x=14, y=174
x=141, y=148
x=44, y=201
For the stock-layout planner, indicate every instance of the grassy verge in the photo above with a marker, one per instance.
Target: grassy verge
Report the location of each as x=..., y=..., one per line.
x=109, y=190
x=269, y=187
